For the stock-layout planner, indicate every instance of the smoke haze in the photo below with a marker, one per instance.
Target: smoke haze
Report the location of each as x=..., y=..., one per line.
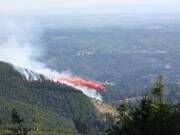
x=20, y=46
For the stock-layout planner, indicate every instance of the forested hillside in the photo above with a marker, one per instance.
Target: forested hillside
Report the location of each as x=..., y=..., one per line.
x=63, y=108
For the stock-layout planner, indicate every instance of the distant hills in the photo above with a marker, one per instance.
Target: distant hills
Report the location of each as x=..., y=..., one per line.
x=128, y=56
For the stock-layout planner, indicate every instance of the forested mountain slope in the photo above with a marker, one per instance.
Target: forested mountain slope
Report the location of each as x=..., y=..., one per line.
x=63, y=107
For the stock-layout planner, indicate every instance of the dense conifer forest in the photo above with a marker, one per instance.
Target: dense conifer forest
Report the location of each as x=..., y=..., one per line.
x=62, y=108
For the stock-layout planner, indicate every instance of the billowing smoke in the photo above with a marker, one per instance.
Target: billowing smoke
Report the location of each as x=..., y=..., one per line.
x=20, y=46
x=28, y=74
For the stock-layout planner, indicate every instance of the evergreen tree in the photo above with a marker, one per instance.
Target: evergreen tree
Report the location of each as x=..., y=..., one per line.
x=38, y=118
x=17, y=121
x=158, y=88
x=151, y=117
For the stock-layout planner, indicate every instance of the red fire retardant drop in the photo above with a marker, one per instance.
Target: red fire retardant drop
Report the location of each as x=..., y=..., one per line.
x=81, y=82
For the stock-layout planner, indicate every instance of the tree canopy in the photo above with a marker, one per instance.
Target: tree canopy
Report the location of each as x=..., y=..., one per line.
x=152, y=116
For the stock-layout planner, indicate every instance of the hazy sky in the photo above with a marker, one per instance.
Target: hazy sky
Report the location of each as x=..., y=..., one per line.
x=11, y=5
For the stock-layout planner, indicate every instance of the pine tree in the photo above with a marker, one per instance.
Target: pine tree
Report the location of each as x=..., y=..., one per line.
x=18, y=123
x=151, y=117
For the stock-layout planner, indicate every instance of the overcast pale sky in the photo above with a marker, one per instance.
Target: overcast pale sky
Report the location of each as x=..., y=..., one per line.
x=11, y=5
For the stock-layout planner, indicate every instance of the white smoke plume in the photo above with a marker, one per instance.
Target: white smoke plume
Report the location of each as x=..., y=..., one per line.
x=20, y=46
x=87, y=91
